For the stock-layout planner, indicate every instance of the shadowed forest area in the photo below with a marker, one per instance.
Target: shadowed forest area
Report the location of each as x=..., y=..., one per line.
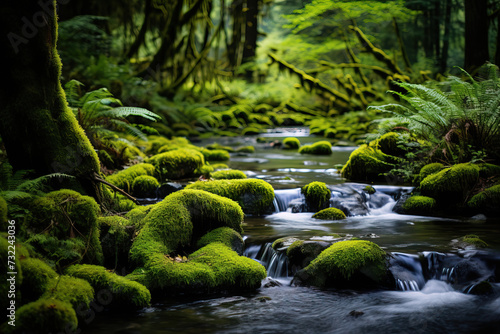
x=211, y=156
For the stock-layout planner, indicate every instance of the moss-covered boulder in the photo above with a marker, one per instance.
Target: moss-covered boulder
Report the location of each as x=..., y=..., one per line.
x=388, y=144
x=136, y=216
x=357, y=264
x=176, y=164
x=471, y=240
x=117, y=291
x=291, y=143
x=452, y=185
x=487, y=201
x=46, y=316
x=429, y=169
x=115, y=235
x=36, y=277
x=246, y=149
x=125, y=179
x=301, y=253
x=489, y=170
x=179, y=224
x=368, y=163
x=253, y=195
x=224, y=235
x=419, y=205
x=79, y=293
x=216, y=155
x=61, y=216
x=145, y=186
x=317, y=195
x=369, y=190
x=228, y=174
x=319, y=148
x=330, y=214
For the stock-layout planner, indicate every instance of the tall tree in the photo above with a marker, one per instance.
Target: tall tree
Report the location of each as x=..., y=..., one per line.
x=476, y=34
x=37, y=127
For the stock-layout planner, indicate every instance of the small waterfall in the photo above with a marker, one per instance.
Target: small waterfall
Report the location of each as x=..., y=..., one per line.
x=283, y=197
x=275, y=262
x=407, y=271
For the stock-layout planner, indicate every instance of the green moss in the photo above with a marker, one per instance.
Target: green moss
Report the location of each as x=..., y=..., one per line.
x=124, y=179
x=388, y=144
x=369, y=190
x=62, y=252
x=419, y=205
x=5, y=285
x=176, y=164
x=124, y=293
x=347, y=263
x=116, y=240
x=451, y=185
x=66, y=215
x=155, y=143
x=228, y=175
x=301, y=253
x=220, y=166
x=246, y=149
x=486, y=201
x=125, y=205
x=254, y=196
x=291, y=143
x=430, y=169
x=215, y=155
x=473, y=240
x=367, y=163
x=251, y=131
x=73, y=290
x=3, y=214
x=330, y=214
x=217, y=146
x=489, y=170
x=317, y=195
x=224, y=235
x=144, y=186
x=36, y=277
x=46, y=316
x=205, y=171
x=136, y=216
x=319, y=148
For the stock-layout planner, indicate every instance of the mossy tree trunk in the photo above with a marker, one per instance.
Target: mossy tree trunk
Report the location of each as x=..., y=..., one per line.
x=37, y=127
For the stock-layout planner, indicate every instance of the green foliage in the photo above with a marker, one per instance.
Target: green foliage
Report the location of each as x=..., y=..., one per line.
x=176, y=164
x=125, y=179
x=460, y=122
x=291, y=143
x=228, y=175
x=125, y=293
x=340, y=263
x=329, y=214
x=317, y=195
x=144, y=185
x=253, y=195
x=318, y=148
x=419, y=205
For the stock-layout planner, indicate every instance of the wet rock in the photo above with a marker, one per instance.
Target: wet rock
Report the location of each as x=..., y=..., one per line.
x=301, y=253
x=356, y=314
x=398, y=208
x=263, y=299
x=168, y=188
x=270, y=283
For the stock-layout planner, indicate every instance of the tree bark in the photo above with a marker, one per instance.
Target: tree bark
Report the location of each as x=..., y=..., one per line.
x=443, y=61
x=38, y=129
x=476, y=34
x=251, y=30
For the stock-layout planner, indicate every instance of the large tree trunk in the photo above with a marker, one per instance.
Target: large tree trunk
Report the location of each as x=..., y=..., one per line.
x=251, y=30
x=37, y=127
x=476, y=34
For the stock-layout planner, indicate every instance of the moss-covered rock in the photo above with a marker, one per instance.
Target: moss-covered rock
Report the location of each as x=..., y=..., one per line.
x=251, y=130
x=136, y=216
x=282, y=243
x=118, y=290
x=430, y=169
x=319, y=148
x=66, y=215
x=487, y=201
x=254, y=196
x=489, y=170
x=145, y=186
x=36, y=277
x=246, y=149
x=368, y=163
x=330, y=214
x=472, y=240
x=124, y=179
x=419, y=205
x=451, y=186
x=46, y=316
x=217, y=146
x=388, y=144
x=317, y=195
x=224, y=235
x=291, y=143
x=116, y=239
x=228, y=175
x=215, y=155
x=72, y=290
x=354, y=264
x=176, y=164
x=301, y=253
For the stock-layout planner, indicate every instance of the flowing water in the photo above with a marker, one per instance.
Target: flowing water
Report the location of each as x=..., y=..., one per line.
x=434, y=277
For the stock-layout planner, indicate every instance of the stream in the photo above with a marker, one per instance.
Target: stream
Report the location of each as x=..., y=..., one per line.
x=434, y=276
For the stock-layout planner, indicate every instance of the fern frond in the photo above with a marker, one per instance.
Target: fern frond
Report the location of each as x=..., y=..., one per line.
x=123, y=112
x=129, y=129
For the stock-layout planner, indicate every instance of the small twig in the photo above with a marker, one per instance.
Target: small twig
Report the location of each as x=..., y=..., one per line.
x=115, y=188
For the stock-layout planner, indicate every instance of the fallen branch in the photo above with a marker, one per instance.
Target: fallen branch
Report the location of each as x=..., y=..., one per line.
x=115, y=188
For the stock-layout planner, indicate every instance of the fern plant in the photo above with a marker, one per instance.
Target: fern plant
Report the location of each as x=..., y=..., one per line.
x=458, y=122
